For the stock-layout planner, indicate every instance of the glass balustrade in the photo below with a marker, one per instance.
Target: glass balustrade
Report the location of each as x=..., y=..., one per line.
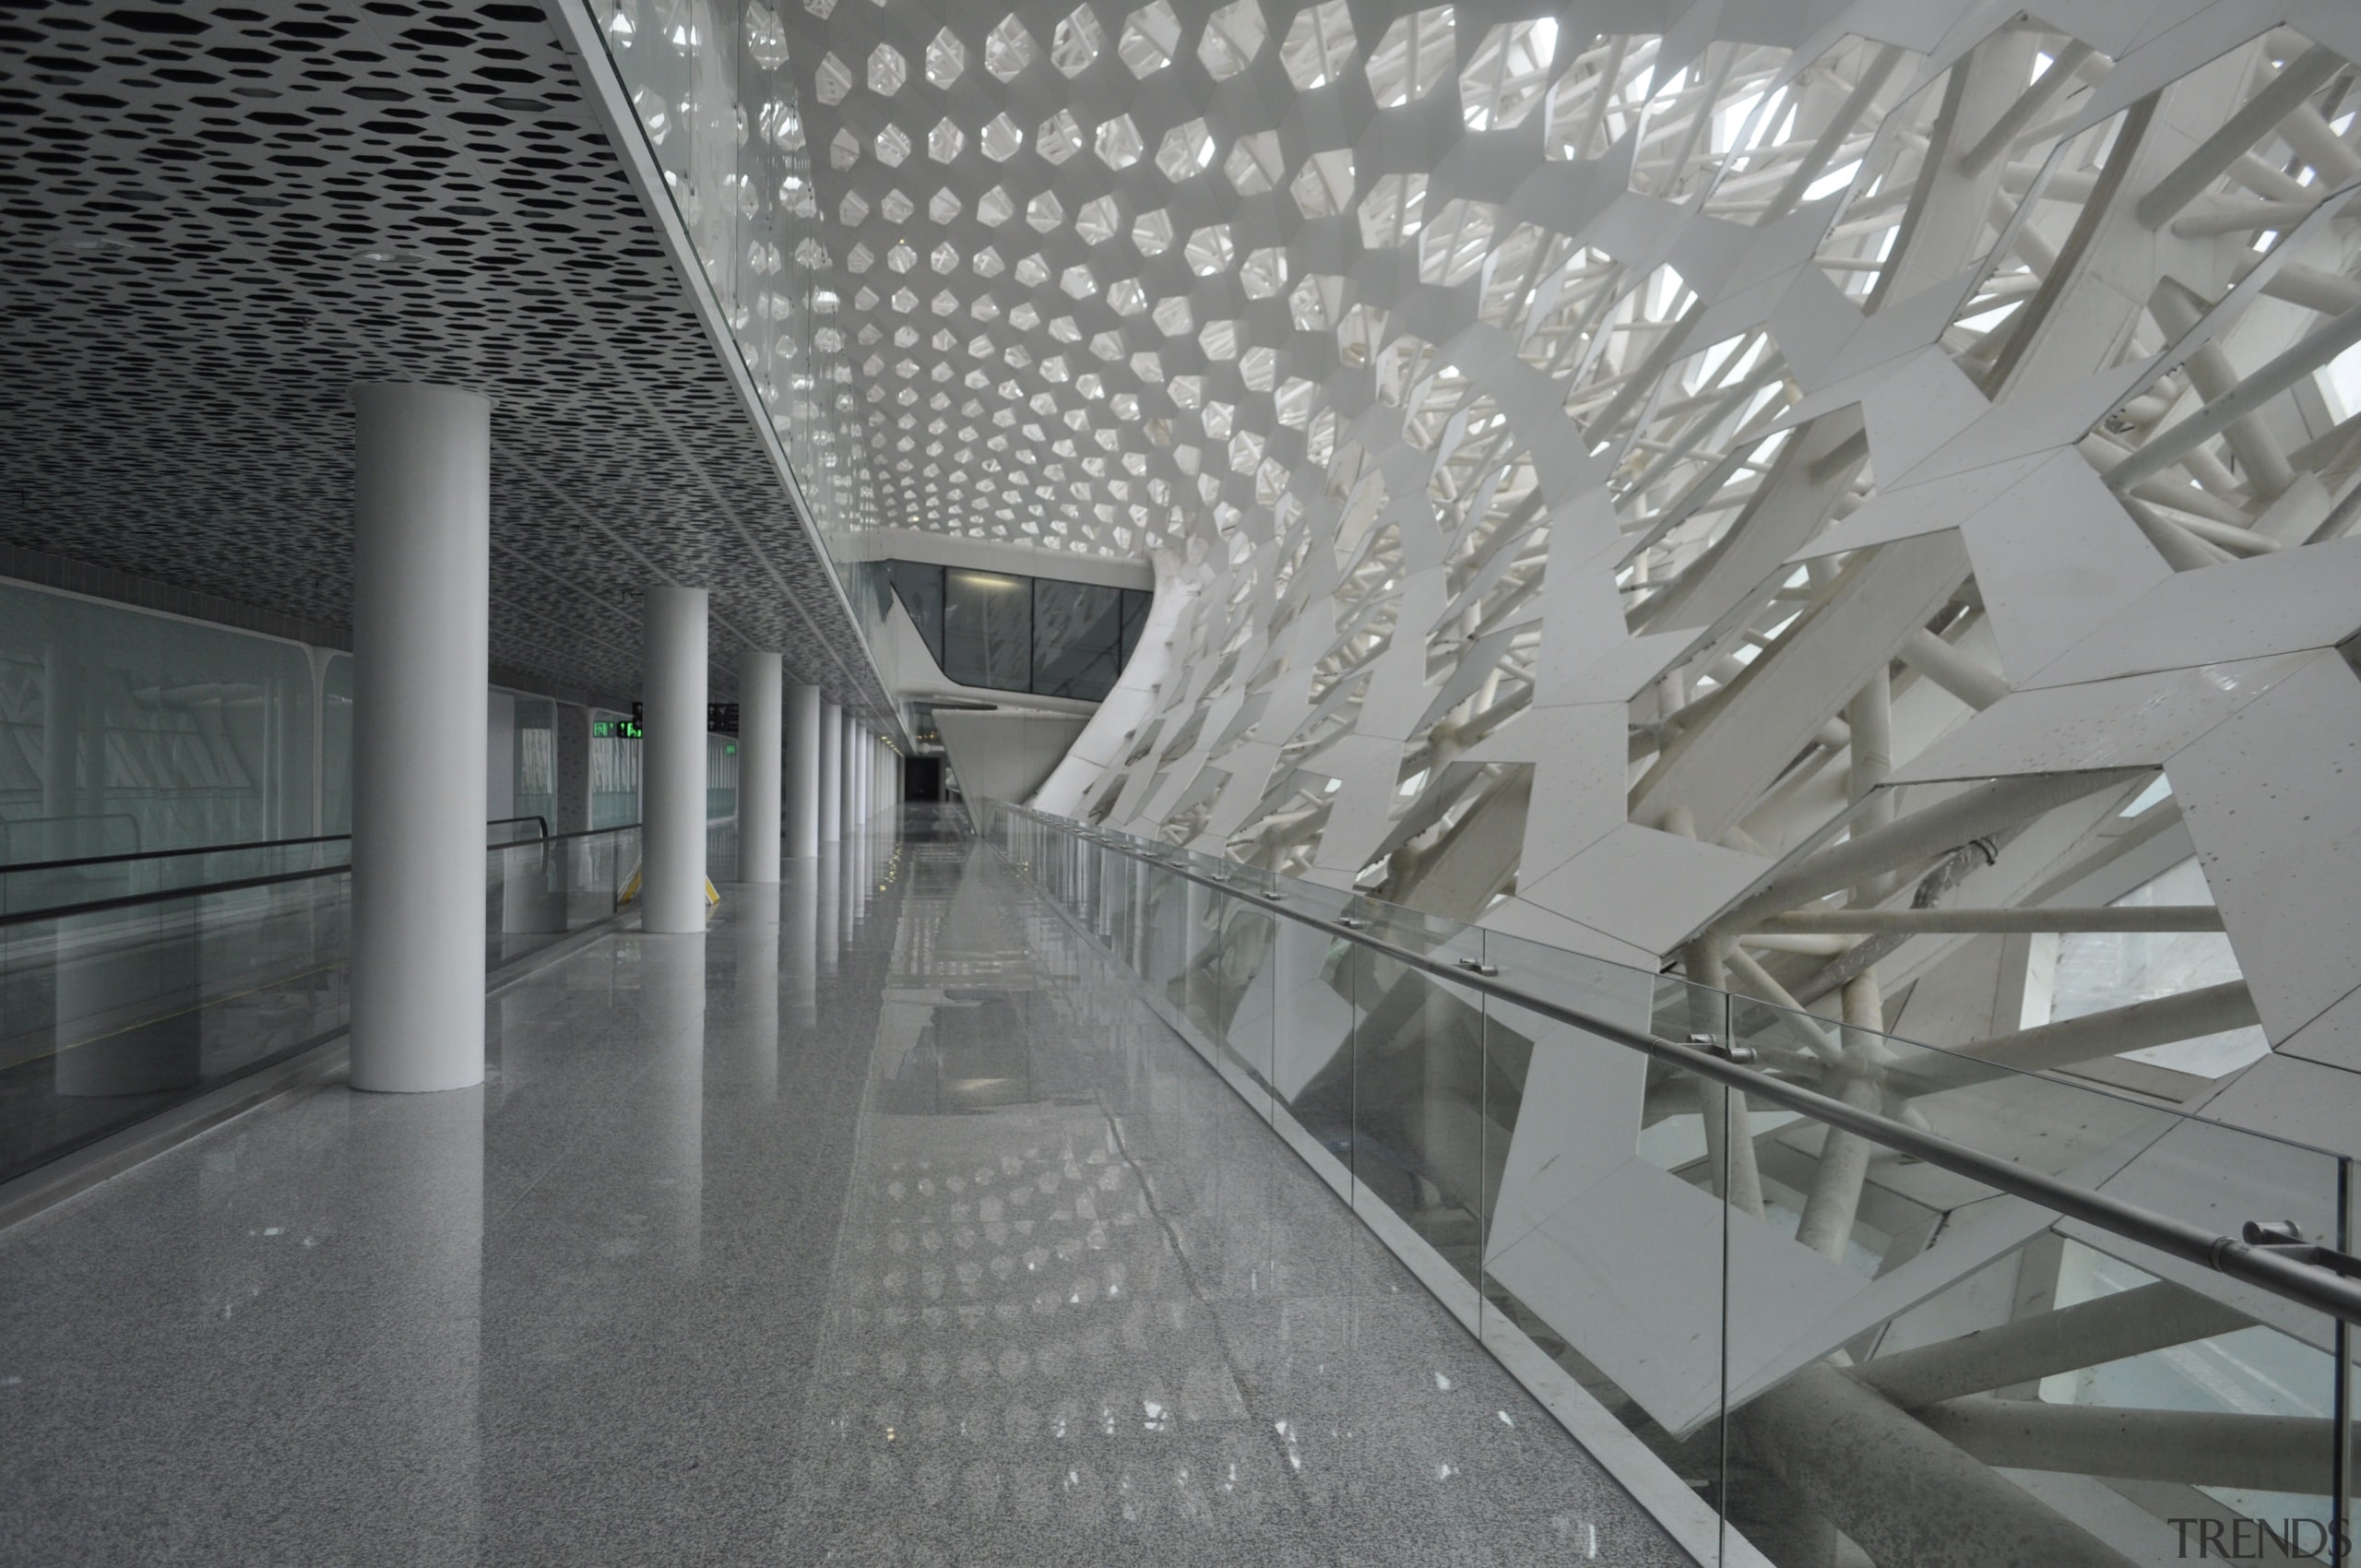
x=1811, y=1344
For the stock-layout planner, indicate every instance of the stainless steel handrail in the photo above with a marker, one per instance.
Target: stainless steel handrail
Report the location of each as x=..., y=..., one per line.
x=171, y=854
x=2308, y=1284
x=239, y=885
x=8, y=870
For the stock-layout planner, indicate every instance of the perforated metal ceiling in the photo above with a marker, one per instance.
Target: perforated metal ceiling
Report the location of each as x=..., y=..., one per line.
x=218, y=218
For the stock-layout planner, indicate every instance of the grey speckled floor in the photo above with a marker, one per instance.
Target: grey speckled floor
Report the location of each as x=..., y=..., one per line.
x=880, y=1225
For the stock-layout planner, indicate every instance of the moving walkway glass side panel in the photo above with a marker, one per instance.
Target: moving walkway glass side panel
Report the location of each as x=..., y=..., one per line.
x=60, y=884
x=115, y=1014
x=110, y=1015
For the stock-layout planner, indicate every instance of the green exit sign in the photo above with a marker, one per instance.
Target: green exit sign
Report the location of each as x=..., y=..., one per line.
x=617, y=729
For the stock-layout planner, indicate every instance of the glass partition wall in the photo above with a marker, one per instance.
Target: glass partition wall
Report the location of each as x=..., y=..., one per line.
x=1811, y=1344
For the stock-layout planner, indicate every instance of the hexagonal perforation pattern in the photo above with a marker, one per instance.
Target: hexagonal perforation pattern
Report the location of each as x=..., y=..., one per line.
x=218, y=219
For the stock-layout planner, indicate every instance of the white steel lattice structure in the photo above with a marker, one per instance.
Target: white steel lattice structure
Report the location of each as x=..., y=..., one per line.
x=1735, y=433
x=1852, y=501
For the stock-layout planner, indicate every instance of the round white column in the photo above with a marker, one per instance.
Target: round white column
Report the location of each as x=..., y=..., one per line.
x=830, y=767
x=759, y=720
x=848, y=765
x=802, y=771
x=860, y=755
x=422, y=583
x=672, y=771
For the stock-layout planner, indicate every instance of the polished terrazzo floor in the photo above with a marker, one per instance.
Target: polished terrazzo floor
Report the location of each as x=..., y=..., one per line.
x=881, y=1224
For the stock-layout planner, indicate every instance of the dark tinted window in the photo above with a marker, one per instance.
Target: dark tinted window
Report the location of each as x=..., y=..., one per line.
x=1077, y=639
x=987, y=629
x=920, y=591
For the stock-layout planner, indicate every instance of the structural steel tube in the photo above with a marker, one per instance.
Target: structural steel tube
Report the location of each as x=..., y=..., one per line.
x=2130, y=1323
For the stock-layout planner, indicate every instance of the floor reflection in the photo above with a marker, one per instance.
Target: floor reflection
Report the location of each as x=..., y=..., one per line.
x=877, y=1224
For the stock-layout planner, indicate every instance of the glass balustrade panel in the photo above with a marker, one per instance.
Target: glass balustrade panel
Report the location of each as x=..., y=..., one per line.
x=1901, y=1330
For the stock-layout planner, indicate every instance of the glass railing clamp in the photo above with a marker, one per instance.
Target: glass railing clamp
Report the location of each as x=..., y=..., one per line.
x=1742, y=1054
x=2286, y=1238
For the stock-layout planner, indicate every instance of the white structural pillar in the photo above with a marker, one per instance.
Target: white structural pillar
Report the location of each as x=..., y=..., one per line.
x=802, y=771
x=831, y=792
x=860, y=764
x=868, y=775
x=673, y=762
x=759, y=720
x=421, y=585
x=848, y=771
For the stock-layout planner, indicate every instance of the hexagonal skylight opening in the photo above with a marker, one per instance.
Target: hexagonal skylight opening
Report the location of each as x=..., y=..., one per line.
x=1008, y=49
x=831, y=79
x=1151, y=38
x=946, y=57
x=1319, y=45
x=1324, y=186
x=1077, y=41
x=887, y=70
x=1060, y=137
x=893, y=146
x=1507, y=73
x=1414, y=56
x=1044, y=212
x=1099, y=221
x=1118, y=143
x=1393, y=210
x=1187, y=150
x=1152, y=232
x=1264, y=273
x=1210, y=249
x=1255, y=163
x=1234, y=35
x=946, y=141
x=1001, y=140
